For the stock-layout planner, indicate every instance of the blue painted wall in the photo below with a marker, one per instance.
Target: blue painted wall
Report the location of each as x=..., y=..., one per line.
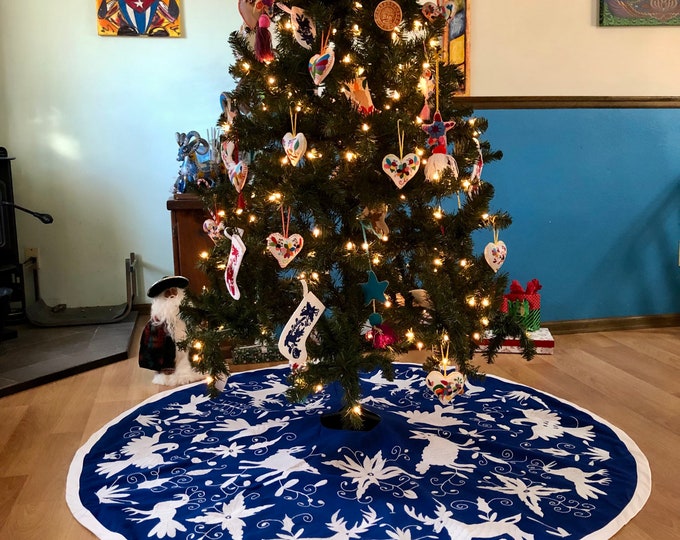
x=595, y=199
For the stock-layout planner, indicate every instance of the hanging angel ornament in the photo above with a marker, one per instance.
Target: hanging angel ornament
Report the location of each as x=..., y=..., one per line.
x=304, y=29
x=401, y=169
x=283, y=247
x=441, y=159
x=495, y=252
x=320, y=65
x=294, y=144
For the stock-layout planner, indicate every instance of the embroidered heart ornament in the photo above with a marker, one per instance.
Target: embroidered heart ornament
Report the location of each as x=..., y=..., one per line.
x=320, y=65
x=446, y=386
x=284, y=248
x=214, y=229
x=401, y=170
x=495, y=253
x=295, y=147
x=238, y=174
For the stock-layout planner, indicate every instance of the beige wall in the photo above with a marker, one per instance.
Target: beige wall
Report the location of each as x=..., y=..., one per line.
x=556, y=48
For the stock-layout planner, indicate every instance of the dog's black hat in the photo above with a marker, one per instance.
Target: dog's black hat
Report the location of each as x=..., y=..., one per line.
x=166, y=283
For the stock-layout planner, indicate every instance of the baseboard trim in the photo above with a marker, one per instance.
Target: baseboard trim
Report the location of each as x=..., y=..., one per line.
x=612, y=323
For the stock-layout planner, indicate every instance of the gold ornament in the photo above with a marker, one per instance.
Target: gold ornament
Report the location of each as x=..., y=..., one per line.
x=387, y=15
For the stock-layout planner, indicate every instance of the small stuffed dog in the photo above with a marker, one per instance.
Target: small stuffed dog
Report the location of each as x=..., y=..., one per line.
x=157, y=348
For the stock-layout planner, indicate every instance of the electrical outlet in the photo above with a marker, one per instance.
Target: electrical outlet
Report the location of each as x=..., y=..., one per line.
x=33, y=253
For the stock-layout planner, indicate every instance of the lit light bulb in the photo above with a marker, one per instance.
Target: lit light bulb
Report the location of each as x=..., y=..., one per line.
x=274, y=197
x=376, y=259
x=485, y=321
x=437, y=262
x=438, y=213
x=349, y=156
x=349, y=246
x=420, y=345
x=318, y=388
x=463, y=263
x=204, y=255
x=221, y=213
x=384, y=238
x=365, y=127
x=485, y=302
x=346, y=59
x=316, y=232
x=315, y=276
x=410, y=335
x=388, y=303
x=246, y=66
x=420, y=151
x=476, y=336
x=445, y=337
x=271, y=80
x=472, y=302
x=396, y=95
x=239, y=211
x=252, y=218
x=196, y=358
x=485, y=216
x=198, y=345
x=356, y=409
x=364, y=246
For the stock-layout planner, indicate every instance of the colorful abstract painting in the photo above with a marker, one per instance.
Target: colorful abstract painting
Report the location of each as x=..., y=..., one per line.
x=639, y=12
x=155, y=18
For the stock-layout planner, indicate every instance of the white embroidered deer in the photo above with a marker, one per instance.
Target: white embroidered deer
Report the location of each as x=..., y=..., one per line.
x=458, y=530
x=282, y=463
x=442, y=452
x=339, y=526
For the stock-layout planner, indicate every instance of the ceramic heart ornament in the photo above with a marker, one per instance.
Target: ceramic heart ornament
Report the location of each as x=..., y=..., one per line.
x=320, y=65
x=445, y=387
x=401, y=170
x=295, y=147
x=495, y=253
x=284, y=248
x=238, y=174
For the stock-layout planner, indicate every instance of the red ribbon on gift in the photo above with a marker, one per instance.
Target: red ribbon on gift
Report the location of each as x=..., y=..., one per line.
x=517, y=292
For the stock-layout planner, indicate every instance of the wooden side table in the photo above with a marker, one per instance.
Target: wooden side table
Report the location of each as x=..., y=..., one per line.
x=188, y=239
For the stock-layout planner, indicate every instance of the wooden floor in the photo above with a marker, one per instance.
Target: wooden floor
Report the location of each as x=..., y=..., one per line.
x=630, y=378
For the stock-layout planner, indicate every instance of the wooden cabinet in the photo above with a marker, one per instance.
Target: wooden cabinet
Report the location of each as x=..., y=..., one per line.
x=188, y=238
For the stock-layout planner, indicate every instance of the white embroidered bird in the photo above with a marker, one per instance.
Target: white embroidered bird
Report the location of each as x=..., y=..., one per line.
x=441, y=416
x=281, y=464
x=581, y=479
x=165, y=513
x=245, y=429
x=548, y=425
x=144, y=453
x=190, y=408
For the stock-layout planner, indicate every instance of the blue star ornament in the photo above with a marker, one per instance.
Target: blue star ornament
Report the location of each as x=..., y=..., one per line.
x=374, y=289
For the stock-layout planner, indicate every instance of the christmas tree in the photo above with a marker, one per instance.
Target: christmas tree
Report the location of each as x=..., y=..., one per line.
x=352, y=187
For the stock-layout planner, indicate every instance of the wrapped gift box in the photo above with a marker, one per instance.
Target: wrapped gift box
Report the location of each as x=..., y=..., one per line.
x=542, y=338
x=525, y=303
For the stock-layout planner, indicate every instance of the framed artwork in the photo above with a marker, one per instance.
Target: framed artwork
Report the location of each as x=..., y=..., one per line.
x=154, y=18
x=456, y=38
x=639, y=12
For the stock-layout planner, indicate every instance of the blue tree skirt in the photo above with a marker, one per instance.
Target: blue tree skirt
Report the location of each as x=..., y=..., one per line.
x=502, y=461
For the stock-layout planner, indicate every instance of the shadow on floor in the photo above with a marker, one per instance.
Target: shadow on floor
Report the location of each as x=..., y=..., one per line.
x=39, y=355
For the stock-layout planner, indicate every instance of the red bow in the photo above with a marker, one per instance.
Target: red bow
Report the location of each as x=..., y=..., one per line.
x=532, y=287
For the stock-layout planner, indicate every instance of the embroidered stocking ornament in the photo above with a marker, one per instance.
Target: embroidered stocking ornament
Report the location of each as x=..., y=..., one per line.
x=238, y=249
x=292, y=343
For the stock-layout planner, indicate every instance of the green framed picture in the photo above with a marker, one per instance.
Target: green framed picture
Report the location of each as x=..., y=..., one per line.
x=639, y=12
